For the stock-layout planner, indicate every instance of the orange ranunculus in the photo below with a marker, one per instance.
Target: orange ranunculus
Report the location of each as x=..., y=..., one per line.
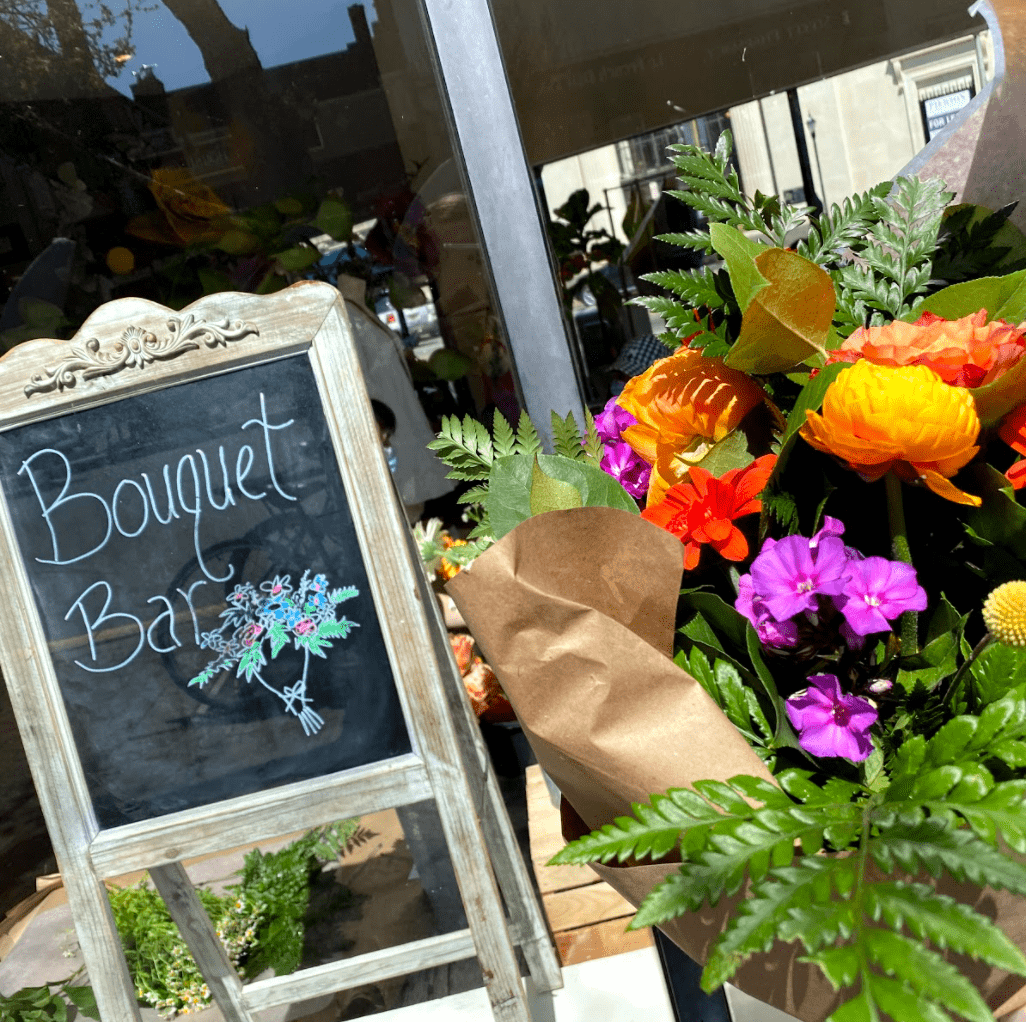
x=906, y=418
x=685, y=400
x=702, y=511
x=966, y=352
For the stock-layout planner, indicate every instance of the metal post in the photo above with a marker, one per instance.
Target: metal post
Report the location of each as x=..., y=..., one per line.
x=486, y=136
x=811, y=198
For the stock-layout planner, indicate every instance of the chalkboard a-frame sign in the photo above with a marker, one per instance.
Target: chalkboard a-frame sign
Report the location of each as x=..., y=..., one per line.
x=217, y=632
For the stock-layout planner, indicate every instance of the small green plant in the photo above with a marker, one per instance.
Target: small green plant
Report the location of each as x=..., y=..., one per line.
x=260, y=921
x=49, y=1002
x=165, y=975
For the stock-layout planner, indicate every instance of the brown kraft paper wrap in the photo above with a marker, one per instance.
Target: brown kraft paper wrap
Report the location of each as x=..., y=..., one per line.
x=575, y=613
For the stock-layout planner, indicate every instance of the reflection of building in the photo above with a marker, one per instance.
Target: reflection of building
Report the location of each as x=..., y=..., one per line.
x=869, y=123
x=326, y=117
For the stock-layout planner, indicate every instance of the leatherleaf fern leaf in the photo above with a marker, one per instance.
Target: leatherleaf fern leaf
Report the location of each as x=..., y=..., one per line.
x=866, y=912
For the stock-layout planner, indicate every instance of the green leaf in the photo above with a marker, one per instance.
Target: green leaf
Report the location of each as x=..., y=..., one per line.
x=548, y=494
x=731, y=452
x=334, y=218
x=279, y=638
x=297, y=258
x=809, y=400
x=788, y=321
x=753, y=926
x=1002, y=297
x=85, y=1000
x=720, y=616
x=593, y=446
x=528, y=442
x=504, y=439
x=944, y=921
x=511, y=479
x=654, y=832
x=739, y=254
x=997, y=670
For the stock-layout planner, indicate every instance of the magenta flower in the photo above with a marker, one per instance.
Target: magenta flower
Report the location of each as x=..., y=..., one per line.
x=770, y=632
x=831, y=722
x=612, y=421
x=879, y=591
x=631, y=471
x=790, y=574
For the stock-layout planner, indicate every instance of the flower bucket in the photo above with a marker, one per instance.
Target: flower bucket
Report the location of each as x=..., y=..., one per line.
x=575, y=611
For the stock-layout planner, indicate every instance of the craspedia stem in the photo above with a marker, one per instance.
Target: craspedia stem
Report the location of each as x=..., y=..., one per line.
x=900, y=552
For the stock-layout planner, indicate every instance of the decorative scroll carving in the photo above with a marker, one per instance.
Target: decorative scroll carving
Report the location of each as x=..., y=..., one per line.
x=136, y=349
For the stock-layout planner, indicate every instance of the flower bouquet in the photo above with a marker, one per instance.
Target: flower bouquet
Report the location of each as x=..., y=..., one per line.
x=807, y=765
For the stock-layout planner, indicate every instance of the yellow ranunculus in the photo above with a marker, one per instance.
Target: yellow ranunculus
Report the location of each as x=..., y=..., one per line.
x=683, y=401
x=905, y=418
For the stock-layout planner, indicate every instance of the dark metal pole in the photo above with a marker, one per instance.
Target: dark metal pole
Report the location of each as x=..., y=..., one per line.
x=811, y=198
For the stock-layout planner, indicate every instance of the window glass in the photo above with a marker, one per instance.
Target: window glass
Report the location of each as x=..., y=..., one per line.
x=602, y=89
x=177, y=148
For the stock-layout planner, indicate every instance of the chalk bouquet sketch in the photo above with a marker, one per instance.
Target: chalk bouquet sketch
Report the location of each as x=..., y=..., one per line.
x=276, y=616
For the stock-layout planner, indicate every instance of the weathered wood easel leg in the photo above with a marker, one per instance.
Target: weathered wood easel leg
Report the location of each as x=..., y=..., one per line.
x=510, y=869
x=478, y=888
x=101, y=947
x=175, y=887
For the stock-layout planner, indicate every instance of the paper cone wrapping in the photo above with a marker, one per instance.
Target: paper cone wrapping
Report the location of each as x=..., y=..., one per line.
x=575, y=611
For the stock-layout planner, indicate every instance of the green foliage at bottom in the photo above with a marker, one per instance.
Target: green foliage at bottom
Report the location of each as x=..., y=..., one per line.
x=864, y=917
x=50, y=1002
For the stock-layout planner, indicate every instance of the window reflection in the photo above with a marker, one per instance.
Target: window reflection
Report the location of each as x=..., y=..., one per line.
x=179, y=148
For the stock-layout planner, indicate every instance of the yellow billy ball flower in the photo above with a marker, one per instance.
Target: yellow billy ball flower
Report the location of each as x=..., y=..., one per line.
x=1004, y=613
x=878, y=418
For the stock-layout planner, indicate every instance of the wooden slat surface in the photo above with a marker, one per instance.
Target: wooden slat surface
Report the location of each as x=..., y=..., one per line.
x=582, y=906
x=600, y=941
x=587, y=917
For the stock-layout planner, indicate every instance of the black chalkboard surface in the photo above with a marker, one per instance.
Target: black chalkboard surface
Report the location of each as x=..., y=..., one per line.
x=194, y=561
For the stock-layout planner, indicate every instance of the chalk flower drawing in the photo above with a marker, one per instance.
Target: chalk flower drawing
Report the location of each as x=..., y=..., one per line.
x=277, y=615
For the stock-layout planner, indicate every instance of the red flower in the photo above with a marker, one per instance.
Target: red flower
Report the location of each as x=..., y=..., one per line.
x=1013, y=432
x=702, y=510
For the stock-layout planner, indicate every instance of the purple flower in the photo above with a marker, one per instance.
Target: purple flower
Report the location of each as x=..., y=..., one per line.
x=789, y=575
x=629, y=469
x=831, y=527
x=612, y=421
x=830, y=722
x=770, y=632
x=877, y=592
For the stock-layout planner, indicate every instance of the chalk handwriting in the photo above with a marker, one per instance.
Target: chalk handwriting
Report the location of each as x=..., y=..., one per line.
x=81, y=523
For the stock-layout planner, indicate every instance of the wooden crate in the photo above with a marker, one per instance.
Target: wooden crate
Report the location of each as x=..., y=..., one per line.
x=587, y=917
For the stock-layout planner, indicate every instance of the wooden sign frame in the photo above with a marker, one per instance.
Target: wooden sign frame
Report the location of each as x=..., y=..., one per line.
x=131, y=347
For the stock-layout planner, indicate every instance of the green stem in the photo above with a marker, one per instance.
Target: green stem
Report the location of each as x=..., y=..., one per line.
x=901, y=552
x=956, y=681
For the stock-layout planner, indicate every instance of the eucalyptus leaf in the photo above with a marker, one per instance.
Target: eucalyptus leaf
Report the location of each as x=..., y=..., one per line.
x=788, y=321
x=548, y=494
x=511, y=479
x=739, y=254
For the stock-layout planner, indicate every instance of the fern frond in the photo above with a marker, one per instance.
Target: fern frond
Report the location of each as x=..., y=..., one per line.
x=943, y=921
x=841, y=226
x=475, y=495
x=566, y=437
x=528, y=442
x=676, y=315
x=933, y=845
x=593, y=446
x=465, y=447
x=503, y=438
x=698, y=287
x=758, y=918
